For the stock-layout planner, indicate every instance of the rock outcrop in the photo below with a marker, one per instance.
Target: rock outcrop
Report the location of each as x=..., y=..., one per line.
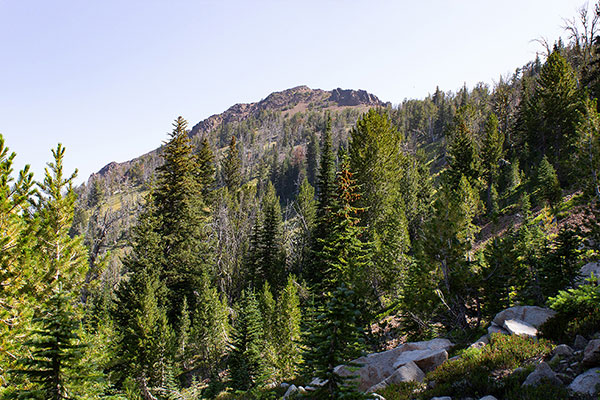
x=520, y=320
x=407, y=362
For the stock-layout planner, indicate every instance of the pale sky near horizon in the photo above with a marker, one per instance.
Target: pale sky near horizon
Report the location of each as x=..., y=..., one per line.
x=107, y=78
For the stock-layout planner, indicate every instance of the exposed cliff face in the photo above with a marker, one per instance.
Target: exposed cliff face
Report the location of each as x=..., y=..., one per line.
x=298, y=98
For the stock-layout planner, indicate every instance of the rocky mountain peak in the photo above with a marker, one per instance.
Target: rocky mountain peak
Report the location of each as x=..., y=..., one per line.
x=296, y=99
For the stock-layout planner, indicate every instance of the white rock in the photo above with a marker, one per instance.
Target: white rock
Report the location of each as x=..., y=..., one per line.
x=532, y=315
x=442, y=398
x=518, y=327
x=542, y=372
x=587, y=383
x=488, y=397
x=291, y=390
x=284, y=385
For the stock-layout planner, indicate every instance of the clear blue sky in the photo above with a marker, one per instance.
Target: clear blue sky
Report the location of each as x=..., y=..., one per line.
x=107, y=78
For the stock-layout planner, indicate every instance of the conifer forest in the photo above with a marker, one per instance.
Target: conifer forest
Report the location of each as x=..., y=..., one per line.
x=262, y=249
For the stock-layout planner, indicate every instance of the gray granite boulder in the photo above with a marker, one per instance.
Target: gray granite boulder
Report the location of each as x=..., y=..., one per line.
x=531, y=315
x=542, y=373
x=591, y=353
x=587, y=383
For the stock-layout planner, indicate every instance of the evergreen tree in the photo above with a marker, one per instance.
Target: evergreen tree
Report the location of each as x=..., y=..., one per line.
x=555, y=110
x=450, y=235
x=267, y=258
x=347, y=259
x=246, y=363
x=210, y=331
x=146, y=341
x=313, y=272
x=231, y=167
x=182, y=222
x=312, y=159
x=16, y=241
x=335, y=339
x=378, y=167
x=61, y=261
x=306, y=211
x=492, y=152
x=463, y=158
x=287, y=331
x=206, y=170
x=547, y=183
x=55, y=350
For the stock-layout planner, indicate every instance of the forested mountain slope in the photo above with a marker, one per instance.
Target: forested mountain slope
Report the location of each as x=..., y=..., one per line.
x=271, y=242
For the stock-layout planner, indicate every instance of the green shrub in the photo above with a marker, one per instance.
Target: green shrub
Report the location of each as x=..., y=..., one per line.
x=479, y=372
x=578, y=312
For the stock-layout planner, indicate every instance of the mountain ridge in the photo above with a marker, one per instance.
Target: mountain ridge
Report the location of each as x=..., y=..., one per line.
x=291, y=101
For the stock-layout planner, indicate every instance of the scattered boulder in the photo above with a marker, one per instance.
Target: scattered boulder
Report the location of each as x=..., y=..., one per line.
x=587, y=383
x=290, y=391
x=542, y=372
x=488, y=397
x=591, y=353
x=586, y=272
x=442, y=398
x=284, y=385
x=580, y=342
x=377, y=367
x=427, y=360
x=563, y=350
x=408, y=372
x=518, y=327
x=532, y=315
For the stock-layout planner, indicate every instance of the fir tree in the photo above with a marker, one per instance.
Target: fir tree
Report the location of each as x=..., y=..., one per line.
x=312, y=159
x=231, y=167
x=246, y=363
x=210, y=331
x=182, y=221
x=313, y=272
x=55, y=350
x=547, y=183
x=345, y=255
x=492, y=152
x=287, y=331
x=266, y=259
x=378, y=166
x=554, y=113
x=206, y=170
x=463, y=158
x=335, y=339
